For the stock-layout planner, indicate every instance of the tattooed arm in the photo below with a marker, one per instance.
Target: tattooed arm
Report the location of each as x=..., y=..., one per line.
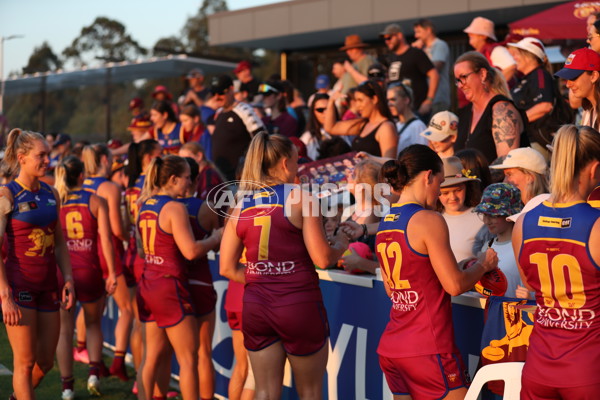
x=506, y=127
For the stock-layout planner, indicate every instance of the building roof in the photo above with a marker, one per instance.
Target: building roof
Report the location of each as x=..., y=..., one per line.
x=305, y=24
x=127, y=71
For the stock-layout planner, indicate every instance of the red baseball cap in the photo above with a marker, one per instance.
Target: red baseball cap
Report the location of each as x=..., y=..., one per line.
x=162, y=89
x=578, y=62
x=242, y=65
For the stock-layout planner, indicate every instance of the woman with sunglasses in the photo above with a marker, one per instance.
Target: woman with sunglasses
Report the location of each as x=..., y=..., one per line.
x=316, y=133
x=278, y=119
x=375, y=132
x=490, y=122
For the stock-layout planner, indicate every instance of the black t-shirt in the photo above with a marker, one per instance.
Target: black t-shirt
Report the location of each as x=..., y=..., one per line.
x=413, y=65
x=232, y=135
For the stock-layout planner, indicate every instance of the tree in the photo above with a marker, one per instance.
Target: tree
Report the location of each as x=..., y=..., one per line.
x=169, y=45
x=104, y=39
x=43, y=59
x=195, y=30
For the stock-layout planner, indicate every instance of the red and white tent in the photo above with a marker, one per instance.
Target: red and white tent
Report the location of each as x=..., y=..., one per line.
x=564, y=21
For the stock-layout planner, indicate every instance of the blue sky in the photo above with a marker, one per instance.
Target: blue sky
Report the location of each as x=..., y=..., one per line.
x=58, y=22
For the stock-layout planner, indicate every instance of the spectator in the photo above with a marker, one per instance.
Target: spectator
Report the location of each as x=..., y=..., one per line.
x=298, y=105
x=438, y=52
x=315, y=134
x=60, y=149
x=378, y=73
x=375, y=131
x=441, y=133
x=536, y=92
x=322, y=85
x=399, y=100
x=249, y=84
x=408, y=63
x=458, y=195
x=196, y=92
x=490, y=123
x=278, y=119
x=499, y=201
x=208, y=175
x=483, y=39
x=191, y=123
x=168, y=131
x=136, y=107
x=235, y=126
x=161, y=93
x=352, y=107
x=582, y=72
x=356, y=70
x=526, y=169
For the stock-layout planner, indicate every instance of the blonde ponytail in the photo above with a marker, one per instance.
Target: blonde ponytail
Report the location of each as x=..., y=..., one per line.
x=18, y=142
x=91, y=156
x=66, y=176
x=263, y=154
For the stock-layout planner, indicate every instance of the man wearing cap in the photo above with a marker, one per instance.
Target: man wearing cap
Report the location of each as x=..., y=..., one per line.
x=235, y=125
x=357, y=69
x=197, y=92
x=406, y=63
x=439, y=53
x=249, y=84
x=483, y=39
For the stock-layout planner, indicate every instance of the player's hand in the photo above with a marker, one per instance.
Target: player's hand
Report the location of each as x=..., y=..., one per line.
x=110, y=285
x=68, y=295
x=11, y=313
x=489, y=260
x=351, y=229
x=351, y=262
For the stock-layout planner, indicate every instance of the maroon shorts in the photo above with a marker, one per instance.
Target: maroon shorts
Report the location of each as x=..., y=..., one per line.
x=89, y=285
x=302, y=328
x=129, y=276
x=424, y=377
x=40, y=300
x=204, y=298
x=234, y=319
x=118, y=259
x=531, y=390
x=164, y=300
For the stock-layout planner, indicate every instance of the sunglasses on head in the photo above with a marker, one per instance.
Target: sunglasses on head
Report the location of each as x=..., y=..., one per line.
x=265, y=88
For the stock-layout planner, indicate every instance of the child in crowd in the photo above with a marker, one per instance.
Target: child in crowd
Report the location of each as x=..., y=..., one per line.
x=499, y=201
x=442, y=133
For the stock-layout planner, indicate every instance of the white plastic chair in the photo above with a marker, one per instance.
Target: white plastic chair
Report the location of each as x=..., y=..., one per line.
x=509, y=372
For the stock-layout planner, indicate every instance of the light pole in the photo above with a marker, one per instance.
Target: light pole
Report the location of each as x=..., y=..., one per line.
x=2, y=40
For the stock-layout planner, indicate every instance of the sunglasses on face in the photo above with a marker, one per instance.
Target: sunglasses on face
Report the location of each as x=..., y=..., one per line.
x=320, y=109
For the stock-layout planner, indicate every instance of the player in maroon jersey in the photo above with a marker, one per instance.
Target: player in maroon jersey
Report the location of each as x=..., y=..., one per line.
x=283, y=313
x=557, y=245
x=98, y=161
x=163, y=298
x=84, y=218
x=29, y=290
x=417, y=352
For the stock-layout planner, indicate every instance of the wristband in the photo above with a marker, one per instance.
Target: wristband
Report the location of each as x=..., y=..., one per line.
x=365, y=230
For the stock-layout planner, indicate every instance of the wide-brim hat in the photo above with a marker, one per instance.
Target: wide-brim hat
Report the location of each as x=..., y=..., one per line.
x=453, y=172
x=482, y=26
x=531, y=45
x=353, y=42
x=500, y=199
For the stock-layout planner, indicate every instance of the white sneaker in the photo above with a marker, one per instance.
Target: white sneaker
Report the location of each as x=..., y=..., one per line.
x=93, y=385
x=68, y=394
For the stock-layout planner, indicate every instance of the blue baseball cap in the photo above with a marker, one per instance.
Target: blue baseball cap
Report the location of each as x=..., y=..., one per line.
x=322, y=82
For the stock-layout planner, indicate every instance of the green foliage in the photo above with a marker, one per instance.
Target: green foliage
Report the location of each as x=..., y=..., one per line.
x=169, y=45
x=104, y=39
x=43, y=59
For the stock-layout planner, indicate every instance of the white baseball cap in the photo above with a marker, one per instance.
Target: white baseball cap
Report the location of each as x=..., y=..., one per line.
x=531, y=204
x=526, y=158
x=532, y=45
x=441, y=126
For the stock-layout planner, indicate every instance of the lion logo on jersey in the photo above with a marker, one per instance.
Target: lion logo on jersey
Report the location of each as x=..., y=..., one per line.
x=42, y=241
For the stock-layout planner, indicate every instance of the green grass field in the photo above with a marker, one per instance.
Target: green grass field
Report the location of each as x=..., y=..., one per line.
x=50, y=388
